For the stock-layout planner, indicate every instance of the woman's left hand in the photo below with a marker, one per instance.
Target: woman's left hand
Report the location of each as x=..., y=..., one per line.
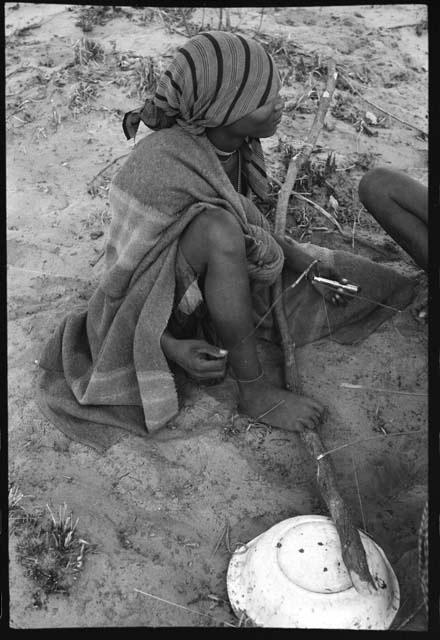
x=334, y=296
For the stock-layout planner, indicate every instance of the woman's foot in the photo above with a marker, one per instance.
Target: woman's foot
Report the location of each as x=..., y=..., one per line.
x=265, y=402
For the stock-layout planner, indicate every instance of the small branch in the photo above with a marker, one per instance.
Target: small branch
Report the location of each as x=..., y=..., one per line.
x=261, y=21
x=228, y=19
x=300, y=158
x=95, y=261
x=410, y=617
x=348, y=385
x=180, y=606
x=106, y=167
x=20, y=69
x=281, y=214
x=400, y=26
x=391, y=115
x=382, y=435
x=353, y=552
x=188, y=30
x=321, y=210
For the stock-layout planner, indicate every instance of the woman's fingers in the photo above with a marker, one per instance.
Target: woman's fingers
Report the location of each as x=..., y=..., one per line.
x=337, y=297
x=206, y=349
x=205, y=365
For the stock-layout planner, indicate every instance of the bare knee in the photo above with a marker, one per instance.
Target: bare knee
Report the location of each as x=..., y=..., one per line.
x=375, y=185
x=212, y=233
x=223, y=232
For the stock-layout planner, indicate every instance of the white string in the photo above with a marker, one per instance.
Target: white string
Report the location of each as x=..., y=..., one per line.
x=328, y=320
x=358, y=493
x=380, y=304
x=180, y=606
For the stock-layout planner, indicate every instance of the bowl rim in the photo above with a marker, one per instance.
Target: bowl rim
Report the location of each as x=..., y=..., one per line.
x=236, y=576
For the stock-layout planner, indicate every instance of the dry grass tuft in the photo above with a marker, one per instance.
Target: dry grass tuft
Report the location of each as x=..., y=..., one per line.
x=14, y=497
x=343, y=108
x=50, y=550
x=177, y=18
x=139, y=74
x=145, y=75
x=80, y=99
x=87, y=50
x=91, y=15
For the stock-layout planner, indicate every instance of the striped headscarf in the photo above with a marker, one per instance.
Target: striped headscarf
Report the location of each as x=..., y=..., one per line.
x=214, y=80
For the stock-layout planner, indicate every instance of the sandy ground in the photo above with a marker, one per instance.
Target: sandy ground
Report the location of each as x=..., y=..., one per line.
x=154, y=508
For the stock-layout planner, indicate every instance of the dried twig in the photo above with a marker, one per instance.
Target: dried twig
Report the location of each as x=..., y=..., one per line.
x=400, y=26
x=188, y=30
x=281, y=214
x=261, y=21
x=348, y=385
x=20, y=69
x=180, y=606
x=318, y=207
x=382, y=435
x=220, y=538
x=95, y=261
x=410, y=617
x=391, y=115
x=301, y=196
x=353, y=552
x=300, y=158
x=107, y=166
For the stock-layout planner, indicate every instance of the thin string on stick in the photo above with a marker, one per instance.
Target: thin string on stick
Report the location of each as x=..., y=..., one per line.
x=380, y=304
x=327, y=318
x=383, y=435
x=358, y=493
x=410, y=617
x=264, y=316
x=180, y=606
x=269, y=410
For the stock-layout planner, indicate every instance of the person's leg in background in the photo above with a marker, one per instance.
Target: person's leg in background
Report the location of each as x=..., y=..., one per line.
x=400, y=205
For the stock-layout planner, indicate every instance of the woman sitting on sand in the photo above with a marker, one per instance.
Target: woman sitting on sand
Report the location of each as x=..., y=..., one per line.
x=188, y=249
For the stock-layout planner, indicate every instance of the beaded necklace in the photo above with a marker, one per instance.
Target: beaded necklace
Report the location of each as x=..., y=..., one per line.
x=232, y=165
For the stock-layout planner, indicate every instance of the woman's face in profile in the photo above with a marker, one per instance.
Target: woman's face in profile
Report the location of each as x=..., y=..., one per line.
x=261, y=123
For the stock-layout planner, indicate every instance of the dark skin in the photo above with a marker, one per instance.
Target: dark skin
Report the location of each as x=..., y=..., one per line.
x=221, y=258
x=400, y=205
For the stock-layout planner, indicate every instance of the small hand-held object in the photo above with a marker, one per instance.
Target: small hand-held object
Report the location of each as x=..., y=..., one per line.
x=334, y=284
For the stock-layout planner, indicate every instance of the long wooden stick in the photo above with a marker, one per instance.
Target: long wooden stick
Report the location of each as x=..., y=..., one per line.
x=353, y=552
x=280, y=221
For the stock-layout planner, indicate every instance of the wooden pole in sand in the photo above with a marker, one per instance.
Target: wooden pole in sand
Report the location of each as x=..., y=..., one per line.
x=353, y=552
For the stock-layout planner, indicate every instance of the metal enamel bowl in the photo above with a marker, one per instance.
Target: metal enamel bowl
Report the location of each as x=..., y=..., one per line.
x=293, y=576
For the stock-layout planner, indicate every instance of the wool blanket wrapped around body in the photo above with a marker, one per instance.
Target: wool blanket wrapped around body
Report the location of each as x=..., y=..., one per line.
x=104, y=367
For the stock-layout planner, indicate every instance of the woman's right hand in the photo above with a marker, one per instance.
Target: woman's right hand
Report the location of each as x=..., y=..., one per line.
x=201, y=360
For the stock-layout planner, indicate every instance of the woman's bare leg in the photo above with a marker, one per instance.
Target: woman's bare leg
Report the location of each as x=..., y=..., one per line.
x=400, y=205
x=213, y=244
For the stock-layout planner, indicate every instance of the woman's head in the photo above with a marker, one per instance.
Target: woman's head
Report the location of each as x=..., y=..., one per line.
x=215, y=80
